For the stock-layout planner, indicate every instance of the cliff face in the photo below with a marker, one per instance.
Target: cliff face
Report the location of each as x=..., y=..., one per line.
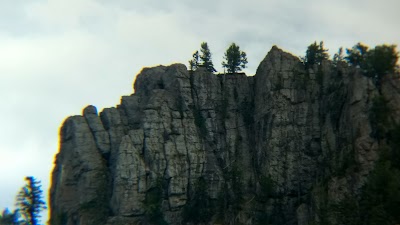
x=194, y=147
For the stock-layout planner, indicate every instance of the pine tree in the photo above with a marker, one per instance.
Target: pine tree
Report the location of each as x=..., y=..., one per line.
x=234, y=60
x=194, y=63
x=338, y=57
x=30, y=201
x=315, y=54
x=206, y=57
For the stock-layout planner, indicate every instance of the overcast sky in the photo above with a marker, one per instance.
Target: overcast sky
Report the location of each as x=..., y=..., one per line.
x=57, y=56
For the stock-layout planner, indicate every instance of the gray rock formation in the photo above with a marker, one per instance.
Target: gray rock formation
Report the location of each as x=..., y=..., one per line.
x=271, y=148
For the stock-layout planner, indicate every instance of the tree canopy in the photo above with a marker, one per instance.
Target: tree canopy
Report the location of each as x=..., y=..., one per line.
x=234, y=60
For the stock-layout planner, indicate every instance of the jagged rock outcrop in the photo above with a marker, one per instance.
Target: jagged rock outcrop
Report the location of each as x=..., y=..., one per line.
x=271, y=148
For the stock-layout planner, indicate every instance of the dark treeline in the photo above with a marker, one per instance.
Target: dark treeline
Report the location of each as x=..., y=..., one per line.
x=375, y=62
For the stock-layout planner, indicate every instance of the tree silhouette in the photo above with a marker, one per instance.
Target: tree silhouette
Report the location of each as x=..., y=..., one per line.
x=235, y=59
x=194, y=62
x=30, y=201
x=356, y=56
x=376, y=62
x=205, y=57
x=315, y=54
x=382, y=60
x=338, y=57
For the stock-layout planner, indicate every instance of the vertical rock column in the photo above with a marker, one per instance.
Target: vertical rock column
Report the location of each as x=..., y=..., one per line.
x=287, y=130
x=80, y=176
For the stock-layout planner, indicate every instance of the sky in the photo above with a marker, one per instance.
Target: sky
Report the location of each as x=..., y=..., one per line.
x=58, y=56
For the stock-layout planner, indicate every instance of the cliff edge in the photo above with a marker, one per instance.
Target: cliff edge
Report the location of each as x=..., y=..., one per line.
x=191, y=147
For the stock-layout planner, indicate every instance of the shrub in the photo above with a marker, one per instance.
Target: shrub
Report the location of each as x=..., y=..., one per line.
x=199, y=209
x=267, y=187
x=380, y=202
x=379, y=117
x=200, y=122
x=152, y=205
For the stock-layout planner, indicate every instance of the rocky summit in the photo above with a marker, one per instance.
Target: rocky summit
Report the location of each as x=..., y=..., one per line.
x=190, y=147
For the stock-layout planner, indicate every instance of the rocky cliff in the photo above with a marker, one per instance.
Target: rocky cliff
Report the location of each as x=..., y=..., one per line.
x=191, y=147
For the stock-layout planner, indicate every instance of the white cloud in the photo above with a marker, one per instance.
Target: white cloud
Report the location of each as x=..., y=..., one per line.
x=62, y=15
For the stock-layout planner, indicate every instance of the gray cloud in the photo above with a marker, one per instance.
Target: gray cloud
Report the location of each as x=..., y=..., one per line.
x=58, y=56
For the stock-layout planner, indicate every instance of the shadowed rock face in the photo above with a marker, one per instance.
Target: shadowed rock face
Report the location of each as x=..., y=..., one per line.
x=264, y=145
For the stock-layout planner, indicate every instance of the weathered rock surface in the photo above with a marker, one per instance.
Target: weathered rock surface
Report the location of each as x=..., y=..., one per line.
x=267, y=146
